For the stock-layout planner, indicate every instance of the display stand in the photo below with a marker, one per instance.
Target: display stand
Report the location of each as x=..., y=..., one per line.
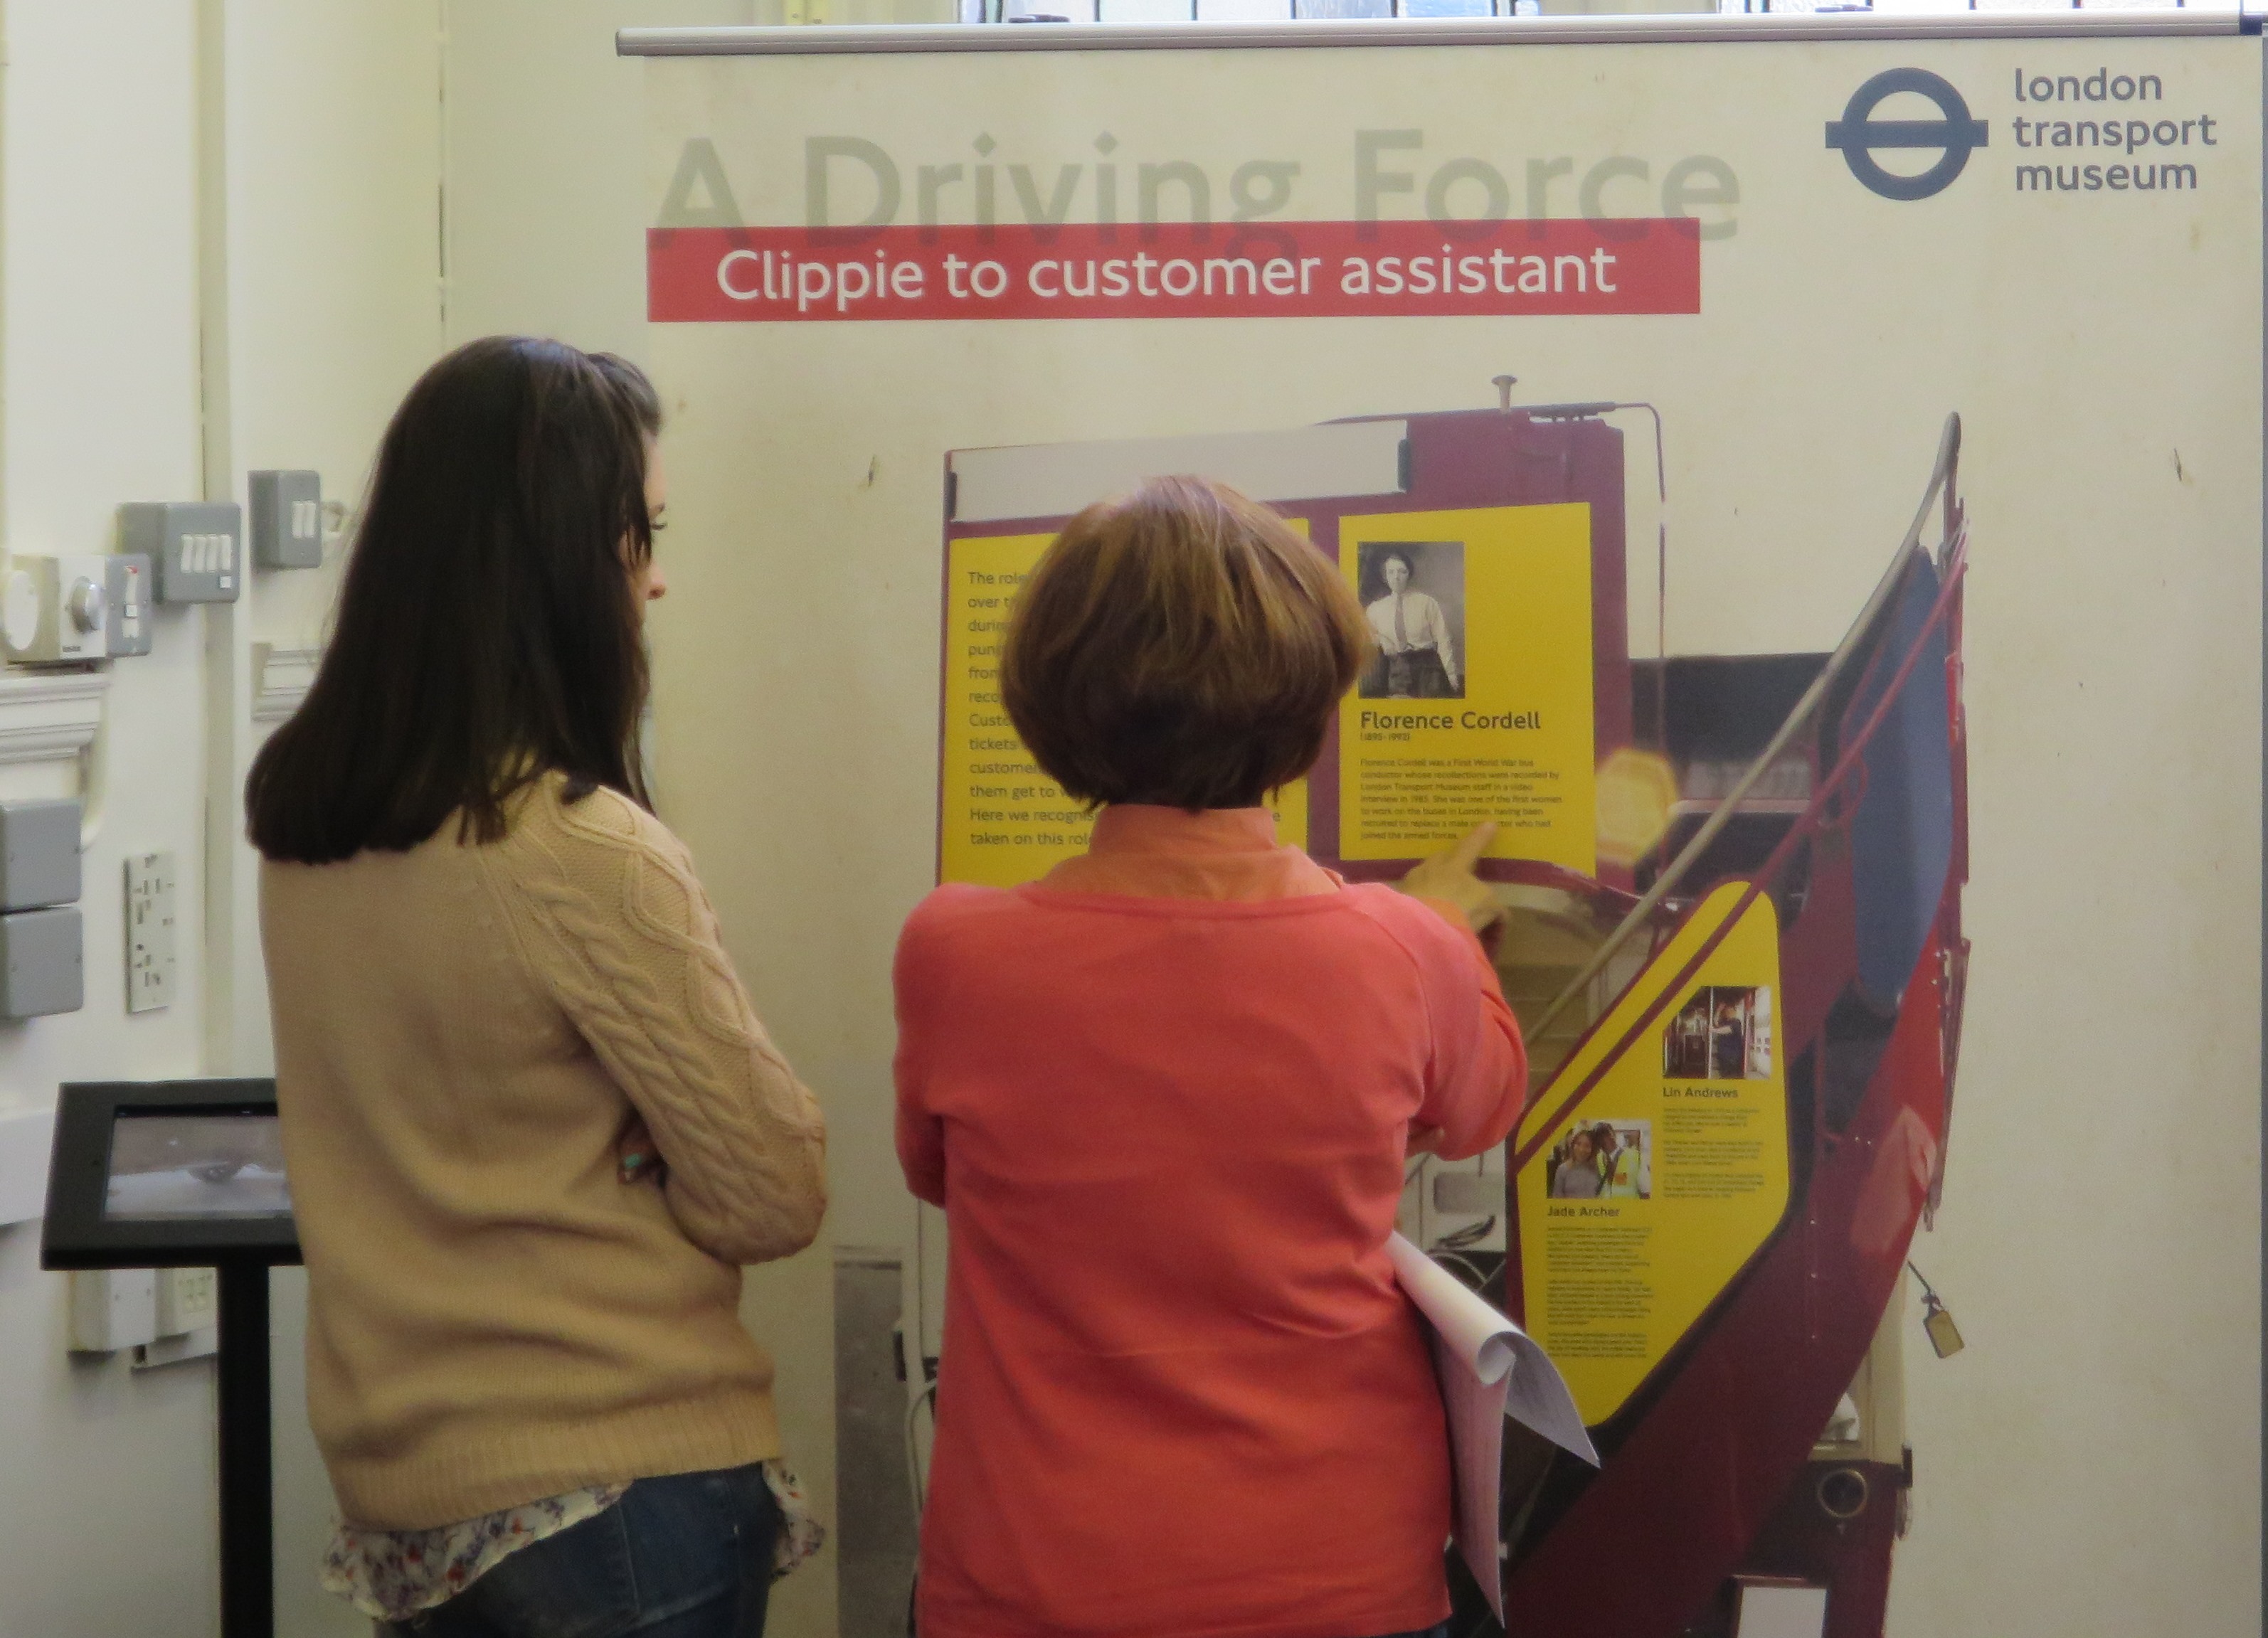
x=247, y=1498
x=187, y=1174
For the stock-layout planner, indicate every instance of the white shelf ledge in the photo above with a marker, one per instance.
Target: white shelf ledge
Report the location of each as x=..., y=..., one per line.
x=49, y=716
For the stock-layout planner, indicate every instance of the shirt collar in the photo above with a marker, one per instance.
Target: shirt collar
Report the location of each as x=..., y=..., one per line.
x=1127, y=828
x=1222, y=854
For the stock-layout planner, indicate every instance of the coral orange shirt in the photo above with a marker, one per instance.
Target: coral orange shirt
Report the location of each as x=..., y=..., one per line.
x=1163, y=1095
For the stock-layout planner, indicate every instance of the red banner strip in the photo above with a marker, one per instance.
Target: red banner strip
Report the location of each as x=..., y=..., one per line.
x=1172, y=270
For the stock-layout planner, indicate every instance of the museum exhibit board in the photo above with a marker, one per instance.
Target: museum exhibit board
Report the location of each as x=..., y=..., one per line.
x=1820, y=464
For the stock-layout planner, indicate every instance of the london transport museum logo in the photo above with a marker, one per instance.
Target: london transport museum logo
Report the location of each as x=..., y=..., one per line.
x=2123, y=114
x=1955, y=135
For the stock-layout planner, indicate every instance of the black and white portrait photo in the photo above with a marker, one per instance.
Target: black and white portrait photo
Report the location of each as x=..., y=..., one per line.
x=1413, y=597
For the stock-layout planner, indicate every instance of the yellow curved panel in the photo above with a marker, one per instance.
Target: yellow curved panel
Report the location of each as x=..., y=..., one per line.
x=1618, y=1262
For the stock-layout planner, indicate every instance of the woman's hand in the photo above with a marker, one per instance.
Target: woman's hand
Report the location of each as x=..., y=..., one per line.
x=637, y=1159
x=1447, y=878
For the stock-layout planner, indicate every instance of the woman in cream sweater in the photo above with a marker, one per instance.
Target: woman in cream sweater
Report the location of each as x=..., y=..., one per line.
x=532, y=1126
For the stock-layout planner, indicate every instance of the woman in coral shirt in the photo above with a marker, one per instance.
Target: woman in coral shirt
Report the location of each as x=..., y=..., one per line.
x=1166, y=1095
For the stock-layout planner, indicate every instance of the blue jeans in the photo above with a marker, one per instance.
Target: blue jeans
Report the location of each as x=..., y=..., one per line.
x=688, y=1556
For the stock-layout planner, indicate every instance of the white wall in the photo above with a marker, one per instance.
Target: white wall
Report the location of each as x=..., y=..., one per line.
x=220, y=250
x=323, y=275
x=325, y=287
x=106, y=1516
x=545, y=184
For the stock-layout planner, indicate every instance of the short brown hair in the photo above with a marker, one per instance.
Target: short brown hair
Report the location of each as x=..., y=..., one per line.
x=1181, y=645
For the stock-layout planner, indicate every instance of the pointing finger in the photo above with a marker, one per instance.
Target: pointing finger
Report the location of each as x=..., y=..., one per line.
x=1467, y=852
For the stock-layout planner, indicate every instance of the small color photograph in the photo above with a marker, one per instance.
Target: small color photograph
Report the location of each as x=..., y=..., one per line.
x=1604, y=1160
x=1720, y=1034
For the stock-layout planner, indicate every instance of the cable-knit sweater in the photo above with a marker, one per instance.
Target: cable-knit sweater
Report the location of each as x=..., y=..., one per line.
x=462, y=1033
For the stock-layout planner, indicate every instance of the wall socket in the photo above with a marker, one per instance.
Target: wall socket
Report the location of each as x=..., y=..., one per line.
x=189, y=1299
x=150, y=971
x=162, y=1314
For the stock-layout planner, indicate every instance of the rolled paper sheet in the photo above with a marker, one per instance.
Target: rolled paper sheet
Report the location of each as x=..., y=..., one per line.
x=1489, y=1369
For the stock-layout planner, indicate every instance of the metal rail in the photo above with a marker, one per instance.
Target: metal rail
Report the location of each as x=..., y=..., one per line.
x=1941, y=478
x=1673, y=28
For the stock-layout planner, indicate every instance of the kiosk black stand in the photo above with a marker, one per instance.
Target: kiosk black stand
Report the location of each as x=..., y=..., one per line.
x=190, y=1174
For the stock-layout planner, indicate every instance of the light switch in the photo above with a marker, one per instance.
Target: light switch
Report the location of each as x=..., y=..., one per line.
x=287, y=519
x=197, y=544
x=132, y=588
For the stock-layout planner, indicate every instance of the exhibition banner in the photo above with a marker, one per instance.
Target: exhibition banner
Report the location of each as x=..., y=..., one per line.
x=1656, y=399
x=1173, y=270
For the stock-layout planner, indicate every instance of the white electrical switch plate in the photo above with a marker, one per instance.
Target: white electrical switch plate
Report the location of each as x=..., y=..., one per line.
x=149, y=931
x=113, y=1308
x=131, y=589
x=189, y=1299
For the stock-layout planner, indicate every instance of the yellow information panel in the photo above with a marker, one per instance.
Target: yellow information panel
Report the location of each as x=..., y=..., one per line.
x=1003, y=822
x=1641, y=1203
x=1477, y=705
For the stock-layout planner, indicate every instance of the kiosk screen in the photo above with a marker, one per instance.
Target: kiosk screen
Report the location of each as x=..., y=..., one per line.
x=170, y=1164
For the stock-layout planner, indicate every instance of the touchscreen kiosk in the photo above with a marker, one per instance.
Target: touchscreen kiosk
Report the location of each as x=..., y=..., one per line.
x=190, y=1174
x=168, y=1174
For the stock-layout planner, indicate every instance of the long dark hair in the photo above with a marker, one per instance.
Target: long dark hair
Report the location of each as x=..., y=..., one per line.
x=485, y=634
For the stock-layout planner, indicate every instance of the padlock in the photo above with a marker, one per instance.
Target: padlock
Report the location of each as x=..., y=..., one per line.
x=1937, y=1320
